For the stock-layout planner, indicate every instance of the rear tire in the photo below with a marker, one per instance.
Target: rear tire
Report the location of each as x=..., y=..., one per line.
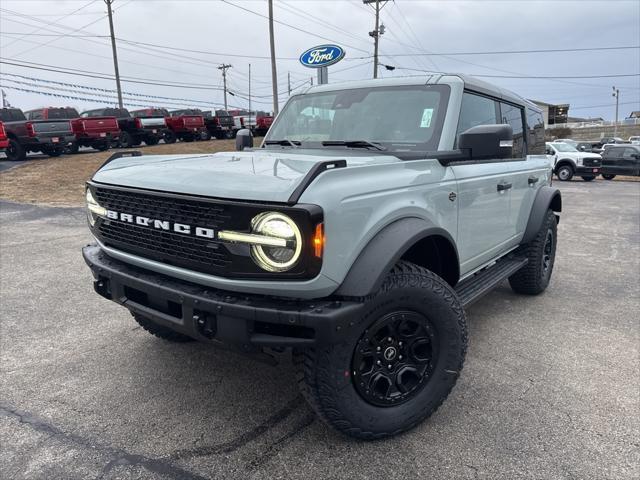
x=565, y=173
x=397, y=362
x=534, y=277
x=588, y=179
x=151, y=140
x=169, y=137
x=608, y=176
x=161, y=331
x=102, y=146
x=205, y=136
x=126, y=140
x=15, y=152
x=73, y=148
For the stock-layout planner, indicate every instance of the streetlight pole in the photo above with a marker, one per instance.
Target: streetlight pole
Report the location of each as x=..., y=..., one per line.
x=274, y=73
x=115, y=52
x=616, y=93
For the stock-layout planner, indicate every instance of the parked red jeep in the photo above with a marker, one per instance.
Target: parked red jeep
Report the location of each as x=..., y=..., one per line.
x=96, y=132
x=186, y=127
x=4, y=140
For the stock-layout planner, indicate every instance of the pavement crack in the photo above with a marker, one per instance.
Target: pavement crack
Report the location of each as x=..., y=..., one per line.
x=242, y=439
x=117, y=457
x=275, y=448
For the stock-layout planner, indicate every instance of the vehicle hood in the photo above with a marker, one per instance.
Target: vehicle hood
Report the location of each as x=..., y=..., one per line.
x=250, y=175
x=577, y=155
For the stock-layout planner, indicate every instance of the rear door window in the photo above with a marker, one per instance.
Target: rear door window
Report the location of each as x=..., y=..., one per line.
x=512, y=115
x=535, y=140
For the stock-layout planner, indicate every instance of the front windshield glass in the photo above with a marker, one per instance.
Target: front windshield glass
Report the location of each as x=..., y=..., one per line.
x=564, y=147
x=405, y=118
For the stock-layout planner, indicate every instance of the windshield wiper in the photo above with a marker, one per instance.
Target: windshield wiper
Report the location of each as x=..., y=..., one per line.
x=284, y=142
x=353, y=144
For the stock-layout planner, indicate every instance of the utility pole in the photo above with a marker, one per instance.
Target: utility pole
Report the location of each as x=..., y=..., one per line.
x=274, y=73
x=616, y=93
x=379, y=30
x=289, y=82
x=249, y=94
x=115, y=52
x=224, y=67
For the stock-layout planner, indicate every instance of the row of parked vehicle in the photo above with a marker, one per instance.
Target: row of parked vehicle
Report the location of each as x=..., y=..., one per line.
x=610, y=156
x=57, y=130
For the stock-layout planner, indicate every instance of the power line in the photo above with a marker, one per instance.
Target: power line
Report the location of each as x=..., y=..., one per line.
x=514, y=52
x=57, y=20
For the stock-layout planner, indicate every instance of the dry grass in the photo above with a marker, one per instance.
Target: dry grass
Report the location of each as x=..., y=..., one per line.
x=60, y=181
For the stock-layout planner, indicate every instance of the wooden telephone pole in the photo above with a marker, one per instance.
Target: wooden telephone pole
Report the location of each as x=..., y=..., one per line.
x=115, y=52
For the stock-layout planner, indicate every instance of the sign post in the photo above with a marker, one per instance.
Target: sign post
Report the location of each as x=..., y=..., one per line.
x=321, y=57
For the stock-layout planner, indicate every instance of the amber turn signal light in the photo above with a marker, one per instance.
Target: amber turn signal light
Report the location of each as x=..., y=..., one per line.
x=318, y=240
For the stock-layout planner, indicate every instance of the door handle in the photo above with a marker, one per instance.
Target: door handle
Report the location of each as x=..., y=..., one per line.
x=533, y=180
x=504, y=186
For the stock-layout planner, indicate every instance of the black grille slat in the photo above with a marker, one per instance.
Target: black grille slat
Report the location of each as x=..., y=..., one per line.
x=192, y=252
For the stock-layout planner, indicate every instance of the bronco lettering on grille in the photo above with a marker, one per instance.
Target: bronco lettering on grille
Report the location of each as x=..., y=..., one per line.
x=161, y=224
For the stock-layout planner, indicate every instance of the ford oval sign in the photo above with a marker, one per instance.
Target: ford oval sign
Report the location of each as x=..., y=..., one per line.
x=322, y=56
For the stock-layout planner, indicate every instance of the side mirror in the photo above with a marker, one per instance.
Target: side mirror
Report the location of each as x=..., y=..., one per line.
x=244, y=139
x=488, y=141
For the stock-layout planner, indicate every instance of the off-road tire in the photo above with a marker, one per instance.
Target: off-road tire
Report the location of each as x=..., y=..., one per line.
x=205, y=136
x=325, y=374
x=588, y=178
x=15, y=152
x=608, y=176
x=533, y=278
x=169, y=137
x=565, y=173
x=160, y=331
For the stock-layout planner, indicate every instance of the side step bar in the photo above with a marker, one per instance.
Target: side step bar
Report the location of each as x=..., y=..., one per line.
x=481, y=283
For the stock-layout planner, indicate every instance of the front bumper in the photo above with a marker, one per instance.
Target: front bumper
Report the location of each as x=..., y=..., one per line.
x=587, y=171
x=248, y=322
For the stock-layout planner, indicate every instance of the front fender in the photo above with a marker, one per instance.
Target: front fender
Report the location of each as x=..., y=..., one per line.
x=383, y=252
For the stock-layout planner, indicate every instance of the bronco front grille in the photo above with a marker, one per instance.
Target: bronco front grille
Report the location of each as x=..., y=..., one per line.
x=200, y=254
x=197, y=253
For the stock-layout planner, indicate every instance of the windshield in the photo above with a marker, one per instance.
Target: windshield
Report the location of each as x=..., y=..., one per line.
x=564, y=147
x=405, y=118
x=62, y=113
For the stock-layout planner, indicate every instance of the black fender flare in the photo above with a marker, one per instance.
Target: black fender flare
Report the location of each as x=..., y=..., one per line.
x=546, y=198
x=384, y=250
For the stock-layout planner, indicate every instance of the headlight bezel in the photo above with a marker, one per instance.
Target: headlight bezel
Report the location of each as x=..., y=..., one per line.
x=293, y=242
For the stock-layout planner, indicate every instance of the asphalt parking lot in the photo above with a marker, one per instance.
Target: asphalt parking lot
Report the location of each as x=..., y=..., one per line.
x=549, y=388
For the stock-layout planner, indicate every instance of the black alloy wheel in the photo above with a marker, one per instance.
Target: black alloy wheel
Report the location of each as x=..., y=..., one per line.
x=394, y=358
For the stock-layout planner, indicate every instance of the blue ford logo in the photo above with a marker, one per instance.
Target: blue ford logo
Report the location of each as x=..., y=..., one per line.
x=322, y=56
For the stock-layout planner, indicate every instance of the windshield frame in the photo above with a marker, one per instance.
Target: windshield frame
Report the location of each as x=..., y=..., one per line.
x=390, y=148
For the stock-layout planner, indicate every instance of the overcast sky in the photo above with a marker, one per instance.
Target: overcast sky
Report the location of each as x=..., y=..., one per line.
x=235, y=34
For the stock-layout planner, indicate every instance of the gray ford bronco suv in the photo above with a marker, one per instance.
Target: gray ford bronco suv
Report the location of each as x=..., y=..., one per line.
x=372, y=214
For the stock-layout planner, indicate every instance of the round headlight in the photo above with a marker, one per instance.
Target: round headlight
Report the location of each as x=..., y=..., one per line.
x=90, y=202
x=276, y=258
x=94, y=210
